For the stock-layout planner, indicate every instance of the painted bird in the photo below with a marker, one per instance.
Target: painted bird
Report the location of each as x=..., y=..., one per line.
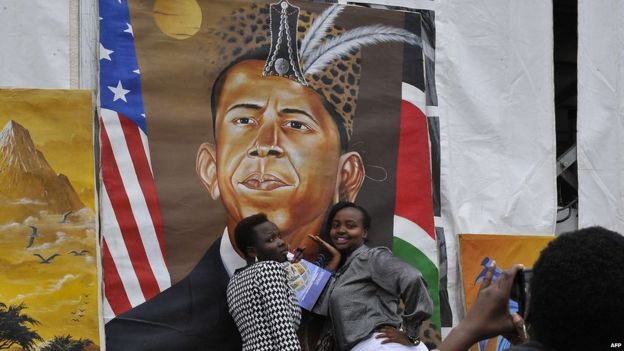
x=76, y=253
x=33, y=234
x=65, y=215
x=46, y=260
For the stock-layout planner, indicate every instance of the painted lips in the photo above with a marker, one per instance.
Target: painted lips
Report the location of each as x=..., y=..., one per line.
x=257, y=181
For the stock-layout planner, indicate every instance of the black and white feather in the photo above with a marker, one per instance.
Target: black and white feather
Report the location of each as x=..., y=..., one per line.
x=334, y=48
x=319, y=27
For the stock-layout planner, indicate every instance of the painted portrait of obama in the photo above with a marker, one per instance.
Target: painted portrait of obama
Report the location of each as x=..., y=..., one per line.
x=282, y=118
x=282, y=105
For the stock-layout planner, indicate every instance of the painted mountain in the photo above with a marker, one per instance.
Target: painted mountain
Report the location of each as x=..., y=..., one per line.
x=28, y=184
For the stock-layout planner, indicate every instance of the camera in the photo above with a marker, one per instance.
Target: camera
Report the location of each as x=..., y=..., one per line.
x=520, y=289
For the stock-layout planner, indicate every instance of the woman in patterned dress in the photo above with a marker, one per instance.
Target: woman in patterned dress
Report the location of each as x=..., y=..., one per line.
x=260, y=300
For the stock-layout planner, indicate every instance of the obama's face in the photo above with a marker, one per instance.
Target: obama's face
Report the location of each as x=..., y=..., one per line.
x=277, y=151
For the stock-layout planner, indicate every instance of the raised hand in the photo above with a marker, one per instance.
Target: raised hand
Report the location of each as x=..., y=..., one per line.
x=489, y=315
x=334, y=262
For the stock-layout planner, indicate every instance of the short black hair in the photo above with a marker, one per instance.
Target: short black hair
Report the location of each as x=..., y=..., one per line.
x=366, y=218
x=577, y=291
x=261, y=54
x=244, y=233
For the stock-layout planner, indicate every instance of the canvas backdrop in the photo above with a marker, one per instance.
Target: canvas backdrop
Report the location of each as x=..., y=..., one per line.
x=162, y=95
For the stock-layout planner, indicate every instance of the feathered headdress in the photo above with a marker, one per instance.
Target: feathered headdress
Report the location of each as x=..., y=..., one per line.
x=307, y=48
x=318, y=51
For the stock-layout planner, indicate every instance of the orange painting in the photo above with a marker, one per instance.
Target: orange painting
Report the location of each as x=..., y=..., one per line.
x=49, y=284
x=478, y=250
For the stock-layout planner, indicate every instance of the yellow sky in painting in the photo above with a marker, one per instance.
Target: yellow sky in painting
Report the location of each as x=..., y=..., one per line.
x=60, y=123
x=63, y=294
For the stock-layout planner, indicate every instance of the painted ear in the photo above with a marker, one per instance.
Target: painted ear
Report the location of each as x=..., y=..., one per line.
x=351, y=175
x=206, y=168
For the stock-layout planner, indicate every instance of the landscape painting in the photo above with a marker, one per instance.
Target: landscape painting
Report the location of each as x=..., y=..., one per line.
x=49, y=281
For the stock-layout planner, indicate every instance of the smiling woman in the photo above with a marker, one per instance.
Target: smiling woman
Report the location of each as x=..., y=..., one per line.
x=363, y=299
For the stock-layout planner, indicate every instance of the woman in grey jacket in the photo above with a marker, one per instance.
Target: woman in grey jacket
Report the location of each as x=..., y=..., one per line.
x=363, y=298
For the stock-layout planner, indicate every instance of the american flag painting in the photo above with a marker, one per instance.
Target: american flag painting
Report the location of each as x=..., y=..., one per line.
x=134, y=266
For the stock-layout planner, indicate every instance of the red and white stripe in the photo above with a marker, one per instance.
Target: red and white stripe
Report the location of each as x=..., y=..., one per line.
x=413, y=213
x=133, y=249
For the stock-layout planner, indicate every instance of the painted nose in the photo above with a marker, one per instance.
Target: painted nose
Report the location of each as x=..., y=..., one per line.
x=266, y=151
x=267, y=143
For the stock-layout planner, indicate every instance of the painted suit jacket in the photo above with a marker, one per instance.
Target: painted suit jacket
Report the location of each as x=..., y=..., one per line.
x=191, y=315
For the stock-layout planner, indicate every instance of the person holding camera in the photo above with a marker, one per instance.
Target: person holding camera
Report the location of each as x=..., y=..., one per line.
x=576, y=299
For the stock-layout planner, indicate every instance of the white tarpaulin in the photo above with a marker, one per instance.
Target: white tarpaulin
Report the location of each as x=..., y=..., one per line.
x=34, y=44
x=494, y=80
x=494, y=73
x=600, y=113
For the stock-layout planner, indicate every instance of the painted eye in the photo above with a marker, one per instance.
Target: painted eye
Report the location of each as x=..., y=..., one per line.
x=245, y=121
x=296, y=125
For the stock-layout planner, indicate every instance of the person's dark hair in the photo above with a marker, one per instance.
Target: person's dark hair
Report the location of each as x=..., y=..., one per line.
x=366, y=218
x=244, y=233
x=262, y=54
x=576, y=299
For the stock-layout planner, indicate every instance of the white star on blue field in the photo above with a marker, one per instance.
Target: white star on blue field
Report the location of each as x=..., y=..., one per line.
x=120, y=79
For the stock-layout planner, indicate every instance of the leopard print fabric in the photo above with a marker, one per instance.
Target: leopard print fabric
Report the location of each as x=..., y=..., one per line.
x=247, y=31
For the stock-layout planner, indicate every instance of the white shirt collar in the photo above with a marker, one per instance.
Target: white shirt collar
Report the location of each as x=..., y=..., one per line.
x=230, y=258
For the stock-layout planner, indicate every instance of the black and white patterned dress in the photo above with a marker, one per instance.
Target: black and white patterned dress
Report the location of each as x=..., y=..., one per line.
x=264, y=308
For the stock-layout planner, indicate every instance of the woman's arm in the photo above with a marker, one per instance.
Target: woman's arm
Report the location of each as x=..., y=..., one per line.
x=400, y=279
x=277, y=302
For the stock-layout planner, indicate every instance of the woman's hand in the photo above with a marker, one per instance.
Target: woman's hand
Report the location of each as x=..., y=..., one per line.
x=392, y=334
x=297, y=255
x=519, y=334
x=334, y=262
x=489, y=315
